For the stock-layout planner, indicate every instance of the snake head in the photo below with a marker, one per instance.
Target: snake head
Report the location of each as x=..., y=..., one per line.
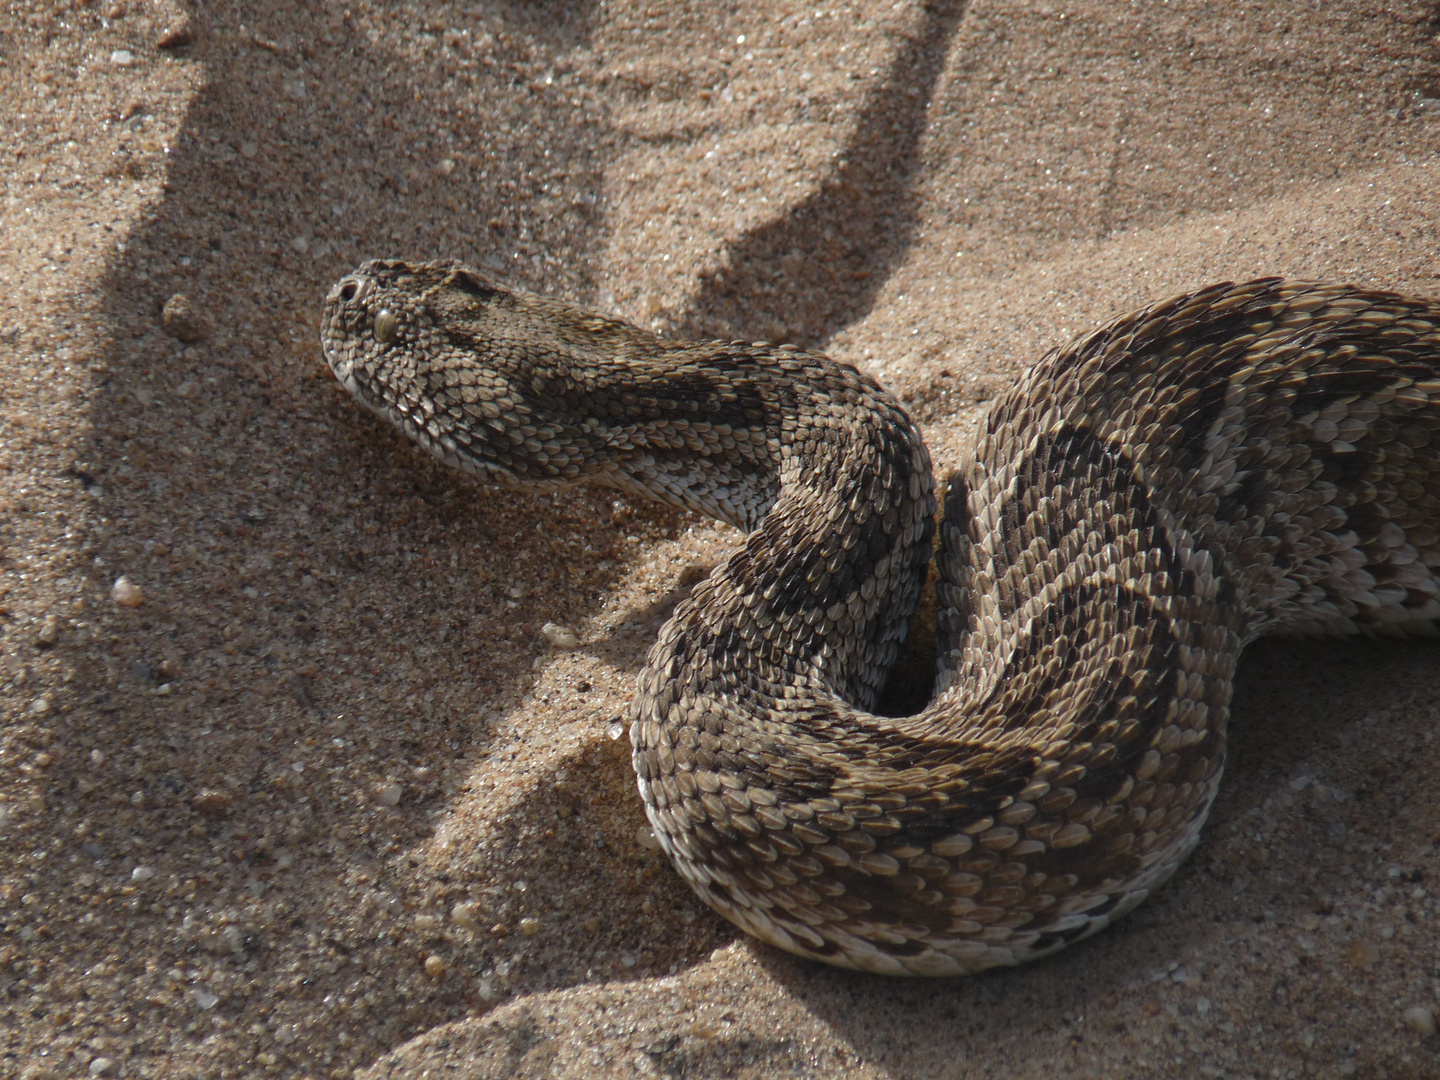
x=385, y=323
x=407, y=340
x=465, y=366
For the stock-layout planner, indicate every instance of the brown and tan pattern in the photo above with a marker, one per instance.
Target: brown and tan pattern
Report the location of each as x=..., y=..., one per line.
x=1245, y=460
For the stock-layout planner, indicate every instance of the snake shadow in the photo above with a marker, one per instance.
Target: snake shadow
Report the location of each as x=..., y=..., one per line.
x=1356, y=717
x=319, y=595
x=805, y=276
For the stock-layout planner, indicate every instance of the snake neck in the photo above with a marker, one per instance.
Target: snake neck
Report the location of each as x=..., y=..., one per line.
x=820, y=467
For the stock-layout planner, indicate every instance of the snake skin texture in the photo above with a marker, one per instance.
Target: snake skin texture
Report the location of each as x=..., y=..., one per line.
x=1244, y=460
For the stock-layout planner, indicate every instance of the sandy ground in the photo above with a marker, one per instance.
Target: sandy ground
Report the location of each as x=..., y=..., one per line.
x=326, y=803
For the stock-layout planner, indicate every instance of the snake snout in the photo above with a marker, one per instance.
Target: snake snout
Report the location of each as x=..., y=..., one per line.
x=350, y=290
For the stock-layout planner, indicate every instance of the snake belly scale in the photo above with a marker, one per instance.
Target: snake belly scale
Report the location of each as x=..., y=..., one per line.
x=1242, y=460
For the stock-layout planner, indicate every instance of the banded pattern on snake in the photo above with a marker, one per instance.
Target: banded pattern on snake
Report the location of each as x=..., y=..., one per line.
x=1247, y=459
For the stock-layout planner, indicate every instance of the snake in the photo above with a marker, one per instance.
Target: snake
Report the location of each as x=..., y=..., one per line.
x=1243, y=460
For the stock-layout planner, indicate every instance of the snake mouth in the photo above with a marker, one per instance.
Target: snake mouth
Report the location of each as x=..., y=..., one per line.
x=345, y=302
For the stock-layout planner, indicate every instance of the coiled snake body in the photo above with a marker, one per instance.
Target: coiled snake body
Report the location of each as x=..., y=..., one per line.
x=1244, y=460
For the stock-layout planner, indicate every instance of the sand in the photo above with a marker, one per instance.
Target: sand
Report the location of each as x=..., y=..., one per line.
x=328, y=803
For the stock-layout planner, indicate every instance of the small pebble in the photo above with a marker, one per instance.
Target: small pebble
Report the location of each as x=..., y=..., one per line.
x=465, y=915
x=389, y=794
x=489, y=992
x=182, y=320
x=205, y=999
x=615, y=730
x=562, y=637
x=49, y=632
x=41, y=705
x=212, y=803
x=122, y=58
x=101, y=1066
x=529, y=926
x=1363, y=954
x=126, y=593
x=142, y=873
x=434, y=966
x=645, y=837
x=1420, y=1020
x=176, y=36
x=426, y=923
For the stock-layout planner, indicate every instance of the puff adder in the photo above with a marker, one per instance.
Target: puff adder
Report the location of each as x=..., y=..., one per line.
x=1243, y=460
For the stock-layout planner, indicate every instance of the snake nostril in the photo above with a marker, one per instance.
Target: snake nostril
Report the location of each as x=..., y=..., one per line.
x=348, y=291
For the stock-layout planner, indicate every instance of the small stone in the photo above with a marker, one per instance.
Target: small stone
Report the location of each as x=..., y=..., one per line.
x=41, y=705
x=529, y=926
x=126, y=593
x=1420, y=1020
x=389, y=794
x=102, y=1066
x=142, y=873
x=205, y=999
x=645, y=837
x=122, y=58
x=49, y=632
x=489, y=992
x=182, y=319
x=426, y=924
x=44, y=761
x=176, y=36
x=562, y=637
x=615, y=730
x=266, y=1058
x=1363, y=954
x=466, y=915
x=499, y=930
x=435, y=966
x=212, y=803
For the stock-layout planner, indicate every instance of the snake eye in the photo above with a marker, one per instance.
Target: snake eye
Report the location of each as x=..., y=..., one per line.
x=386, y=326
